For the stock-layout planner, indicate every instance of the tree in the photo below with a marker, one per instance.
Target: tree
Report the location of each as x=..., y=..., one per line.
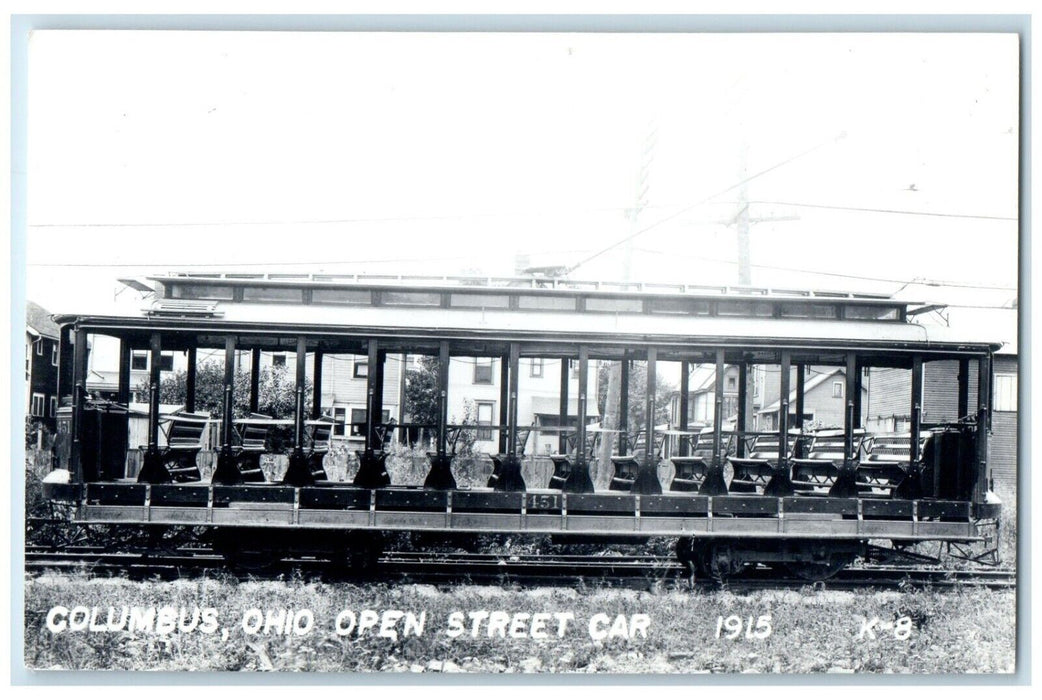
x=276, y=391
x=421, y=400
x=421, y=391
x=638, y=382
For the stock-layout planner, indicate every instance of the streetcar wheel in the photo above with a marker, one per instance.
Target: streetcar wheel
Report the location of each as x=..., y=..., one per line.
x=360, y=552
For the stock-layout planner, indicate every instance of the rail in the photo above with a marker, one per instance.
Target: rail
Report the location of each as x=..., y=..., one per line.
x=529, y=569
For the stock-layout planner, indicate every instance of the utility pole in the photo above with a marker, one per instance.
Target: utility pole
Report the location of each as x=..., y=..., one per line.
x=611, y=400
x=741, y=222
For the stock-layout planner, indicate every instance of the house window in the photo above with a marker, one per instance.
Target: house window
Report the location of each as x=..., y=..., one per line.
x=39, y=346
x=54, y=354
x=837, y=390
x=536, y=369
x=1005, y=392
x=139, y=360
x=361, y=369
x=486, y=409
x=339, y=415
x=278, y=360
x=358, y=420
x=166, y=362
x=483, y=370
x=732, y=383
x=54, y=406
x=38, y=405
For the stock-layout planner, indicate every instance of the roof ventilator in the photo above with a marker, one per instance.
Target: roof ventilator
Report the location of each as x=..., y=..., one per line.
x=193, y=308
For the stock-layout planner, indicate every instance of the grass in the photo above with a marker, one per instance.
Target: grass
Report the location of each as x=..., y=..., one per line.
x=962, y=631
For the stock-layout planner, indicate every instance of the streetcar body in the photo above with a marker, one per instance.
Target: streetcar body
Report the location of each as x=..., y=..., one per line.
x=792, y=490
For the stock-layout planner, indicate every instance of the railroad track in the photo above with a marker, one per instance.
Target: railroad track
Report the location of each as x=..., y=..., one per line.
x=549, y=569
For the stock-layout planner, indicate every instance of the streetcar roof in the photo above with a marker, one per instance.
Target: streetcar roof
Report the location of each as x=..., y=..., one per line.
x=546, y=326
x=543, y=311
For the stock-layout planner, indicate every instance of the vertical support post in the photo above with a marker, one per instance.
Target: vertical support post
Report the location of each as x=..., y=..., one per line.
x=718, y=407
x=801, y=393
x=852, y=419
x=964, y=389
x=624, y=404
x=372, y=472
x=984, y=368
x=845, y=483
x=227, y=471
x=190, y=378
x=316, y=386
x=562, y=440
x=504, y=400
x=299, y=411
x=155, y=346
x=743, y=397
x=378, y=408
x=916, y=412
x=229, y=398
x=783, y=407
x=911, y=487
x=403, y=378
x=443, y=395
x=123, y=390
x=440, y=475
x=515, y=361
x=857, y=395
x=255, y=361
x=781, y=483
x=153, y=469
x=371, y=390
x=649, y=406
x=685, y=378
x=578, y=480
x=714, y=484
x=580, y=409
x=78, y=378
x=647, y=475
x=66, y=344
x=507, y=476
x=299, y=472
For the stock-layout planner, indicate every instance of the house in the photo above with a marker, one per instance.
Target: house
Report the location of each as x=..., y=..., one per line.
x=103, y=369
x=824, y=399
x=474, y=384
x=703, y=396
x=345, y=390
x=41, y=364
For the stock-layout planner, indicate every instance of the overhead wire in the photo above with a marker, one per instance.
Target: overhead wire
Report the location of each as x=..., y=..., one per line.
x=920, y=281
x=688, y=208
x=875, y=210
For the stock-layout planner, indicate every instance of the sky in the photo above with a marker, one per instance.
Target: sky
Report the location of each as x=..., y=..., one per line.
x=868, y=162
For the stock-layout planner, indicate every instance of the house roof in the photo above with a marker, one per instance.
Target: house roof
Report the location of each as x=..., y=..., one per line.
x=702, y=379
x=808, y=387
x=38, y=321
